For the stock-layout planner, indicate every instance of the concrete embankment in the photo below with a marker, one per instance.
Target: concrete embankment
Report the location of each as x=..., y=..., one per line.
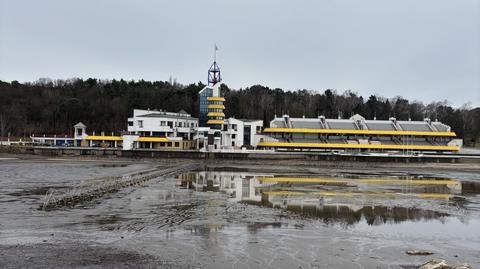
x=248, y=155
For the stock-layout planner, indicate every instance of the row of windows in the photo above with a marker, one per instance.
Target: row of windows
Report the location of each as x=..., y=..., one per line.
x=215, y=110
x=178, y=124
x=215, y=102
x=171, y=124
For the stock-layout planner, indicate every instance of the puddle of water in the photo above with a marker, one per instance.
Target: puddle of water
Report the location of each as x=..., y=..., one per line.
x=347, y=200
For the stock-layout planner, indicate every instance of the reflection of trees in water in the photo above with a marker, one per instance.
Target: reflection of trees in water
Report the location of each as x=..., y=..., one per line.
x=470, y=187
x=373, y=215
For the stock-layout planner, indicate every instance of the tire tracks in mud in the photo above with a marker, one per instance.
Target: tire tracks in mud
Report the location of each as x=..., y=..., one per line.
x=167, y=217
x=95, y=190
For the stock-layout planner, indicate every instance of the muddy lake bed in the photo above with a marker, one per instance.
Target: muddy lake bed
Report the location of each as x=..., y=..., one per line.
x=229, y=214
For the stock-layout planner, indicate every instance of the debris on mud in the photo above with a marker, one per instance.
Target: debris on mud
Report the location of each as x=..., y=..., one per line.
x=419, y=252
x=442, y=264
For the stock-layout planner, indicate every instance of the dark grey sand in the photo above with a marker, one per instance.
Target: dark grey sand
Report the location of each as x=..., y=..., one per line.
x=163, y=225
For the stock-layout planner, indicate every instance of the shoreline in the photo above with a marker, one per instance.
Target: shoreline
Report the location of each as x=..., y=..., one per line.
x=317, y=157
x=259, y=164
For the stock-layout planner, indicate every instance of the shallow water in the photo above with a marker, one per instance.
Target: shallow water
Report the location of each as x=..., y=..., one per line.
x=329, y=219
x=405, y=205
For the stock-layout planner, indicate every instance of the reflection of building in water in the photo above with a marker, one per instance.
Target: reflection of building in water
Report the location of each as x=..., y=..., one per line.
x=240, y=186
x=335, y=200
x=373, y=215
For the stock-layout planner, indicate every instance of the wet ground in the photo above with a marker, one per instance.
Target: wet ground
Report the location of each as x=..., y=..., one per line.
x=239, y=215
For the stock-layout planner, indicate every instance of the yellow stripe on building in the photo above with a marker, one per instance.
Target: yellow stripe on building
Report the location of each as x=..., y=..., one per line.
x=215, y=122
x=216, y=114
x=362, y=132
x=104, y=138
x=356, y=146
x=351, y=194
x=152, y=139
x=214, y=98
x=365, y=180
x=216, y=106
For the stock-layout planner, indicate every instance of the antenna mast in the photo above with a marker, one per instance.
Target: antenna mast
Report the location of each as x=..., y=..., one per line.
x=214, y=70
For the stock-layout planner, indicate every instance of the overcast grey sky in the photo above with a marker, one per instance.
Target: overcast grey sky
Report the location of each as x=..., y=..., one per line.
x=420, y=49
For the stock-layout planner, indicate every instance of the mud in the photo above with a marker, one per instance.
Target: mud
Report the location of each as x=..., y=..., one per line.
x=227, y=215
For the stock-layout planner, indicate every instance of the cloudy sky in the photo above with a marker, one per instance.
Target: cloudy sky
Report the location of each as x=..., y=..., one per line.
x=424, y=50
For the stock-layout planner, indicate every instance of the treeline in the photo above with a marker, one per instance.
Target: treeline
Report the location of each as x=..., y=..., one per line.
x=54, y=106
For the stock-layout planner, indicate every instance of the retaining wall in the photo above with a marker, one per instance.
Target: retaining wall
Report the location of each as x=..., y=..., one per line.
x=192, y=154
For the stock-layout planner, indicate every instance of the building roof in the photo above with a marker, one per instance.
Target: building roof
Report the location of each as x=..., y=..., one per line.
x=248, y=120
x=170, y=116
x=79, y=125
x=306, y=123
x=357, y=122
x=341, y=124
x=441, y=127
x=414, y=126
x=380, y=125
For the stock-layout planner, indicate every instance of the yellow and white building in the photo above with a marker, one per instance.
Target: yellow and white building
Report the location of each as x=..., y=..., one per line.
x=359, y=134
x=153, y=129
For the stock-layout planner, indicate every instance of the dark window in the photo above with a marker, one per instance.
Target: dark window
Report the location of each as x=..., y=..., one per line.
x=246, y=136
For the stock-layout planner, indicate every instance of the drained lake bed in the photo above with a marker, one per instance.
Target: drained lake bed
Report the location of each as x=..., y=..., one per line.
x=237, y=215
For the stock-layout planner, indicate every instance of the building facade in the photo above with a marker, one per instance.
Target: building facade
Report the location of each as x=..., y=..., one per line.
x=358, y=134
x=211, y=107
x=162, y=130
x=238, y=133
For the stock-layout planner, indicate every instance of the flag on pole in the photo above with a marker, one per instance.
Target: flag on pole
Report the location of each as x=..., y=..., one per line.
x=216, y=48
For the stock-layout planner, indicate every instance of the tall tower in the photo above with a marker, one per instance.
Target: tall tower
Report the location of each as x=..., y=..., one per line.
x=214, y=76
x=211, y=101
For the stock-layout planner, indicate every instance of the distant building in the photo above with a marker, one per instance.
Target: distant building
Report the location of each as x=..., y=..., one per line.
x=160, y=129
x=238, y=133
x=359, y=134
x=211, y=107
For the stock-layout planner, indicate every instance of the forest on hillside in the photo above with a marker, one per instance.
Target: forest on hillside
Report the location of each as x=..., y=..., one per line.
x=53, y=106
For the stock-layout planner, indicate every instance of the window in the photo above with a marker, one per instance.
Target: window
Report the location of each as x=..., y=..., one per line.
x=162, y=123
x=233, y=143
x=177, y=144
x=233, y=136
x=140, y=123
x=130, y=123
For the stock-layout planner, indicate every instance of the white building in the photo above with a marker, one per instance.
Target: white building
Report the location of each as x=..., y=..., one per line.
x=238, y=133
x=159, y=129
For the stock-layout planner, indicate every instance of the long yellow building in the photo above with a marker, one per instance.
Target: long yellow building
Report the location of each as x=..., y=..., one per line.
x=359, y=134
